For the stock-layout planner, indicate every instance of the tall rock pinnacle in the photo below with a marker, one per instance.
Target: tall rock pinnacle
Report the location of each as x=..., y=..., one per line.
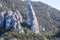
x=31, y=18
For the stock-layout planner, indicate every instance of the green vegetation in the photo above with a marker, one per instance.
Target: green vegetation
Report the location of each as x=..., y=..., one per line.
x=29, y=35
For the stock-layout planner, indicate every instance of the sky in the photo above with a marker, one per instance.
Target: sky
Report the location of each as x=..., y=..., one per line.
x=53, y=3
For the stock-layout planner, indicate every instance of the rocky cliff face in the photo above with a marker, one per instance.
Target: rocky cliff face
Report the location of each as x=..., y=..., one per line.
x=11, y=19
x=47, y=17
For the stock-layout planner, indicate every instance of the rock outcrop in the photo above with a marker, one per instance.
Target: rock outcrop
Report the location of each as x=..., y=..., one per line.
x=10, y=19
x=31, y=18
x=17, y=21
x=47, y=17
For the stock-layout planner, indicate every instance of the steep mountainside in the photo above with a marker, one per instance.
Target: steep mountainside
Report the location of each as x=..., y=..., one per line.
x=47, y=16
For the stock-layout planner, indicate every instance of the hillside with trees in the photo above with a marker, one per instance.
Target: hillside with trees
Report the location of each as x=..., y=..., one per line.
x=47, y=16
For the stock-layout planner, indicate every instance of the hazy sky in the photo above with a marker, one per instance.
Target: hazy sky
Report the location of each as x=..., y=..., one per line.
x=53, y=3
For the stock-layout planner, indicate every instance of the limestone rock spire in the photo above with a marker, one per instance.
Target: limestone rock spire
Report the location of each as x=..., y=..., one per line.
x=31, y=18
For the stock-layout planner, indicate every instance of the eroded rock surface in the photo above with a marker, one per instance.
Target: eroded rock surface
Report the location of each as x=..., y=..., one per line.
x=10, y=19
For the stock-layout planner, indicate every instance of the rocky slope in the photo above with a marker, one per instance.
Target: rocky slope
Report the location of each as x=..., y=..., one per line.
x=48, y=17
